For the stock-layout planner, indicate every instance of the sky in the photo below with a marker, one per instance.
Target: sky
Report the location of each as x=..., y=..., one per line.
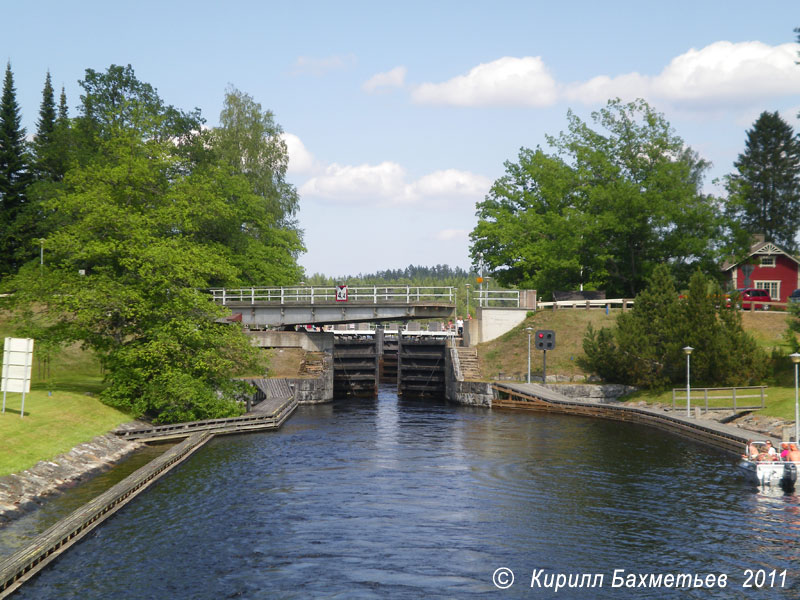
x=399, y=116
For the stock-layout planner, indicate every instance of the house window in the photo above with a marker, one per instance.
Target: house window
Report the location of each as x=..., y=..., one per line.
x=767, y=261
x=773, y=288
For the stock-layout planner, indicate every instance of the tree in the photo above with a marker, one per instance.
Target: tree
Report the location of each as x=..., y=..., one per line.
x=264, y=237
x=14, y=173
x=116, y=101
x=603, y=210
x=644, y=348
x=764, y=192
x=45, y=129
x=142, y=223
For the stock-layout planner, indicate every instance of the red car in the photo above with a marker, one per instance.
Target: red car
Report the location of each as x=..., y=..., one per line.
x=747, y=297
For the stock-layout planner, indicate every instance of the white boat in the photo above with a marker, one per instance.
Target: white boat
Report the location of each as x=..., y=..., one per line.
x=772, y=473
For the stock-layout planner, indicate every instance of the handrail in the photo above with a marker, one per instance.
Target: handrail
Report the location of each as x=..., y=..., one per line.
x=624, y=302
x=489, y=298
x=375, y=294
x=734, y=396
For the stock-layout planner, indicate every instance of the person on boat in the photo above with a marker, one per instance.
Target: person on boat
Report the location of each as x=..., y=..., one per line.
x=770, y=450
x=752, y=451
x=784, y=450
x=794, y=453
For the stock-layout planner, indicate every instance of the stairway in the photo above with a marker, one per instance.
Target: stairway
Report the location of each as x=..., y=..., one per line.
x=313, y=364
x=468, y=361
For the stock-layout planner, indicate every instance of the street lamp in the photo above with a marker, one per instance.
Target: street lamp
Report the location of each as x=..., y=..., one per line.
x=530, y=330
x=468, y=286
x=688, y=351
x=796, y=359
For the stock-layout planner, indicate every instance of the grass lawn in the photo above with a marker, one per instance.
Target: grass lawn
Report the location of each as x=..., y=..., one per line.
x=508, y=354
x=779, y=400
x=60, y=413
x=52, y=424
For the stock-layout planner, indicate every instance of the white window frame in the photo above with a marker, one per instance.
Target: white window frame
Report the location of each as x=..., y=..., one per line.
x=769, y=286
x=770, y=257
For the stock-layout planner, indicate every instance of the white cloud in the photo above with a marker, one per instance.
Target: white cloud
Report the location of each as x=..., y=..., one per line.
x=394, y=78
x=507, y=81
x=449, y=183
x=387, y=183
x=722, y=73
x=357, y=183
x=320, y=66
x=448, y=235
x=301, y=161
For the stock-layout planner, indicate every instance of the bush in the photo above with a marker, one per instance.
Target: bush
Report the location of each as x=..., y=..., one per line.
x=645, y=348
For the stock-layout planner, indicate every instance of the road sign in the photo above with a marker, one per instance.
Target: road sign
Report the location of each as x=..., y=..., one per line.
x=341, y=293
x=17, y=363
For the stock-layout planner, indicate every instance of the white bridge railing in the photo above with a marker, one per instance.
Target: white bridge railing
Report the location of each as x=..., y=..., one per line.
x=318, y=295
x=611, y=303
x=493, y=298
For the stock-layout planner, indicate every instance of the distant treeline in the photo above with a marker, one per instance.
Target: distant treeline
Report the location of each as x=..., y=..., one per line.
x=412, y=274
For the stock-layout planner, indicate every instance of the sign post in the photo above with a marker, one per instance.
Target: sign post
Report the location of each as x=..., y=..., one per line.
x=17, y=364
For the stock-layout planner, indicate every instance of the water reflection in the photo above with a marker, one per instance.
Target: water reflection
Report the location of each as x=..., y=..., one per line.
x=391, y=498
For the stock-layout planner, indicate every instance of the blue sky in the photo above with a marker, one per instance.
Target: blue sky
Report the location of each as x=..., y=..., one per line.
x=399, y=116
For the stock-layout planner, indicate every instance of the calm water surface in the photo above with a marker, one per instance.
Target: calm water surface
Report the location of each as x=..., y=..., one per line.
x=389, y=498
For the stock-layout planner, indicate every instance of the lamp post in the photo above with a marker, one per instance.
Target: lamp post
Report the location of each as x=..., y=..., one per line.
x=529, y=330
x=468, y=286
x=688, y=351
x=796, y=359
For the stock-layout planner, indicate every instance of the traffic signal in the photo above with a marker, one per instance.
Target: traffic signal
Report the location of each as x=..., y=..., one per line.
x=545, y=339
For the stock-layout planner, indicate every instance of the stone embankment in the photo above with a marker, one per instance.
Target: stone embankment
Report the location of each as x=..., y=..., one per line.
x=24, y=491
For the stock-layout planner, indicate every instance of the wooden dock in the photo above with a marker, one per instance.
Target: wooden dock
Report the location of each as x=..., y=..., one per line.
x=269, y=414
x=529, y=396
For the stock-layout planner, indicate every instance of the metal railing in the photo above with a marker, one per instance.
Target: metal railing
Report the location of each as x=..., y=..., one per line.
x=320, y=295
x=702, y=396
x=615, y=302
x=496, y=298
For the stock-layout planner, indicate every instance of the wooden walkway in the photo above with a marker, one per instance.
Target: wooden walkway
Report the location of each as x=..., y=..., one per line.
x=46, y=547
x=530, y=396
x=268, y=414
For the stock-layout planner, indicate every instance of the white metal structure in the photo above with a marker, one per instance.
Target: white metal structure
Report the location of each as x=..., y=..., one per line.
x=405, y=294
x=17, y=364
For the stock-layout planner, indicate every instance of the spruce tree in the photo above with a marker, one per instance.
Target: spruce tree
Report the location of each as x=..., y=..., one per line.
x=764, y=193
x=43, y=151
x=14, y=172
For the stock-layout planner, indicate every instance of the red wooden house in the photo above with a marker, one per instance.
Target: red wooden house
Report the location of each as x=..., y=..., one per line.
x=767, y=267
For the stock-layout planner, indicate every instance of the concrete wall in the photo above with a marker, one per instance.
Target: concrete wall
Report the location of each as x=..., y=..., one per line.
x=603, y=392
x=494, y=322
x=310, y=341
x=313, y=391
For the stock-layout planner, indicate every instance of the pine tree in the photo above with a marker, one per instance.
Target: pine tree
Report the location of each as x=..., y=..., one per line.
x=14, y=172
x=764, y=193
x=62, y=106
x=45, y=127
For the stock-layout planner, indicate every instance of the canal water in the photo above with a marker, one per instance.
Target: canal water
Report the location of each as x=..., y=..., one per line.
x=389, y=498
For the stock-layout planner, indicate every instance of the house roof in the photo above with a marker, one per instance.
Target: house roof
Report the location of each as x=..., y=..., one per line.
x=761, y=248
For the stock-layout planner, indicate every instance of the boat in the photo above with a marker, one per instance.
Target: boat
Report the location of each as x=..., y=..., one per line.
x=770, y=473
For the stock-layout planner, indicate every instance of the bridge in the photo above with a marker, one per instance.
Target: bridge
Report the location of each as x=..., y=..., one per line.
x=309, y=305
